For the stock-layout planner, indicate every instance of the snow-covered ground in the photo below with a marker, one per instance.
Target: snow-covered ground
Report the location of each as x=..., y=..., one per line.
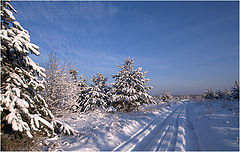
x=216, y=124
x=187, y=125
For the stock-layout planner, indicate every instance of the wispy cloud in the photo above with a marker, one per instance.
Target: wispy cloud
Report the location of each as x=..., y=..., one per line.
x=166, y=40
x=91, y=61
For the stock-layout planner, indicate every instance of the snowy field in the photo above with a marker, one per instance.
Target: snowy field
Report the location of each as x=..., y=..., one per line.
x=187, y=125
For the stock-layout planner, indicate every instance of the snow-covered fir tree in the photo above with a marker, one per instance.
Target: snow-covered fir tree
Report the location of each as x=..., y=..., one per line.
x=22, y=105
x=227, y=94
x=235, y=91
x=208, y=94
x=166, y=96
x=82, y=92
x=99, y=83
x=129, y=90
x=219, y=94
x=96, y=94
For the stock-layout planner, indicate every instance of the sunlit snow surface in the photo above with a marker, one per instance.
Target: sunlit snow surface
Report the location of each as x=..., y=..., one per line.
x=188, y=125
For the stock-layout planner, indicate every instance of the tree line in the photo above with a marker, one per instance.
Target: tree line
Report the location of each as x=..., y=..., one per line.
x=227, y=94
x=67, y=91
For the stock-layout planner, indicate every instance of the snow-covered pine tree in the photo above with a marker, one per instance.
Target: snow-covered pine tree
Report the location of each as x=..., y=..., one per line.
x=235, y=91
x=166, y=96
x=22, y=79
x=208, y=94
x=129, y=90
x=82, y=92
x=219, y=95
x=227, y=94
x=96, y=96
x=99, y=82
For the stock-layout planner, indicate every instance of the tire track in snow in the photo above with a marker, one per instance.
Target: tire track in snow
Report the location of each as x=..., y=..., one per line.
x=149, y=133
x=180, y=140
x=176, y=140
x=163, y=131
x=168, y=142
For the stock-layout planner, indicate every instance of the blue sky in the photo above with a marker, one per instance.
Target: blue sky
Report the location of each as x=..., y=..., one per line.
x=186, y=47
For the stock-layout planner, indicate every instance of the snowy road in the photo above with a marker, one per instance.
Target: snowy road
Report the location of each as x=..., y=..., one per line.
x=165, y=132
x=173, y=130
